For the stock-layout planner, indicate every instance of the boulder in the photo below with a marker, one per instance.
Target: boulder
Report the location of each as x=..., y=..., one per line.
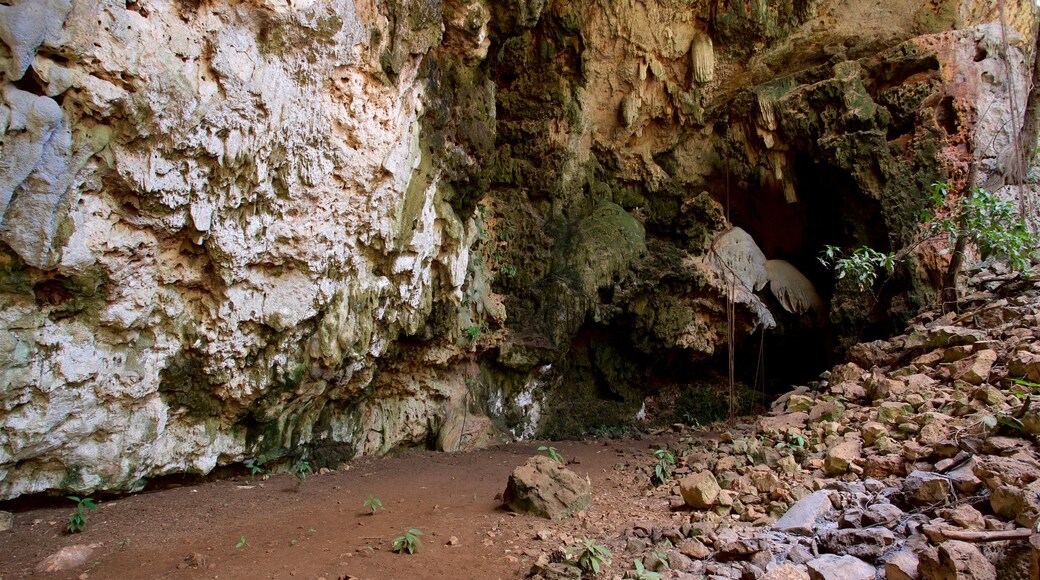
x=700, y=490
x=545, y=488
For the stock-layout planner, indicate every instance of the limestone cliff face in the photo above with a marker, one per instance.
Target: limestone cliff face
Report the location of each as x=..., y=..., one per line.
x=270, y=229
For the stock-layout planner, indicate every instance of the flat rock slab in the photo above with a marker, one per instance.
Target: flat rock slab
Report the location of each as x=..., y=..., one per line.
x=831, y=567
x=801, y=518
x=543, y=487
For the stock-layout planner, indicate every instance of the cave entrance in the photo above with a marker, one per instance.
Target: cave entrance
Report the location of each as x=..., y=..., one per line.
x=831, y=209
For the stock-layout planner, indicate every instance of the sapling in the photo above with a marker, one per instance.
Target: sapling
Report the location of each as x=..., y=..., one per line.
x=407, y=542
x=552, y=453
x=299, y=470
x=78, y=520
x=591, y=555
x=373, y=503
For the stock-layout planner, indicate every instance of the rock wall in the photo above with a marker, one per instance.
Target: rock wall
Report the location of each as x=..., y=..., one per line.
x=269, y=229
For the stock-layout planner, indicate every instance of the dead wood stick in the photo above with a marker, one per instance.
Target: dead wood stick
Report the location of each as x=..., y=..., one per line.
x=977, y=536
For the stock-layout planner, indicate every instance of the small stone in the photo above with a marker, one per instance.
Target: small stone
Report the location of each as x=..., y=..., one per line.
x=800, y=554
x=884, y=465
x=6, y=521
x=66, y=558
x=886, y=388
x=840, y=456
x=694, y=548
x=925, y=489
x=990, y=395
x=799, y=403
x=968, y=517
x=892, y=412
x=826, y=411
x=557, y=571
x=871, y=431
x=915, y=400
x=964, y=479
x=786, y=572
x=902, y=566
x=636, y=545
x=764, y=480
x=955, y=560
x=453, y=541
x=908, y=427
x=700, y=490
x=789, y=465
x=1021, y=504
x=883, y=514
x=956, y=353
x=832, y=567
x=933, y=433
x=866, y=543
x=975, y=370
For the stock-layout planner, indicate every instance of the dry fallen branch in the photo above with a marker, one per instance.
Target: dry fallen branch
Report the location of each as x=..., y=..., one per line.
x=977, y=536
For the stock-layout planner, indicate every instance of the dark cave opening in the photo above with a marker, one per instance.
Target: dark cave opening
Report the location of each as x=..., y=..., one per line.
x=831, y=209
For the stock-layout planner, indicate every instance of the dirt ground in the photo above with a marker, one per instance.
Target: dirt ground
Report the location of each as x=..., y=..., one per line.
x=237, y=528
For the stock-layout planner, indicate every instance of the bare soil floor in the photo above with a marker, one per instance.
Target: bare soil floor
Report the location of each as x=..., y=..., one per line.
x=237, y=528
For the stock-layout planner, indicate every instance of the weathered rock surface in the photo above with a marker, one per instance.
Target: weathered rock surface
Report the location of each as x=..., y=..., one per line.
x=545, y=488
x=67, y=558
x=831, y=567
x=801, y=519
x=268, y=230
x=700, y=490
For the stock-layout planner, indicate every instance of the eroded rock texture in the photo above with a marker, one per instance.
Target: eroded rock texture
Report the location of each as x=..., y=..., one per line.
x=241, y=229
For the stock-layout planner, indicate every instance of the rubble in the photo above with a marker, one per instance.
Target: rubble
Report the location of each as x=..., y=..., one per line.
x=913, y=462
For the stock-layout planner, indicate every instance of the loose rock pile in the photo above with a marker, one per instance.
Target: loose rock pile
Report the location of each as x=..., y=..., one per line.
x=915, y=459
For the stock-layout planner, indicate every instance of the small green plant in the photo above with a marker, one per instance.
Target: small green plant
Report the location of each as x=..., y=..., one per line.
x=407, y=542
x=256, y=468
x=78, y=520
x=976, y=216
x=642, y=573
x=796, y=440
x=508, y=271
x=373, y=503
x=591, y=555
x=242, y=543
x=663, y=469
x=299, y=470
x=861, y=266
x=552, y=453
